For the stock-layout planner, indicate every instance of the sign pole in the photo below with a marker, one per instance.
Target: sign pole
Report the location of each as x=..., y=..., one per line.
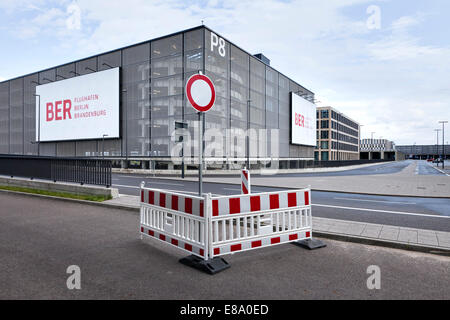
x=200, y=155
x=201, y=94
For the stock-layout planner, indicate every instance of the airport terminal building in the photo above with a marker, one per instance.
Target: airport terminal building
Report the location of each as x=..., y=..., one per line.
x=141, y=89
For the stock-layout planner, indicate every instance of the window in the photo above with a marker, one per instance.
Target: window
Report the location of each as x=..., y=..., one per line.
x=324, y=134
x=324, y=155
x=324, y=124
x=324, y=114
x=324, y=145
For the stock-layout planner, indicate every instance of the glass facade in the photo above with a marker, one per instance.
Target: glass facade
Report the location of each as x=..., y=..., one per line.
x=249, y=95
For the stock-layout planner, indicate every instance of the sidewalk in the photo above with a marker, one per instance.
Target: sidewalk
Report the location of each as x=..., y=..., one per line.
x=384, y=235
x=405, y=183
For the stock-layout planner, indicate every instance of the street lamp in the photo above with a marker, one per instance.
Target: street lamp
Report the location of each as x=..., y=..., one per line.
x=371, y=146
x=39, y=121
x=248, y=134
x=359, y=139
x=126, y=125
x=337, y=140
x=437, y=142
x=105, y=64
x=443, y=145
x=103, y=145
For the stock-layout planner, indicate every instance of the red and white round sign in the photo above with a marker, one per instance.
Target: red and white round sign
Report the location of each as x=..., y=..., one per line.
x=200, y=92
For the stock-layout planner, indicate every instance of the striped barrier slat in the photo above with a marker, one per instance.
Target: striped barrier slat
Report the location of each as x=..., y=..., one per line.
x=251, y=203
x=219, y=250
x=175, y=242
x=245, y=181
x=180, y=203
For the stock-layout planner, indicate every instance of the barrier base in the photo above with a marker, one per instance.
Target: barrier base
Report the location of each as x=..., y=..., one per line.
x=310, y=244
x=211, y=266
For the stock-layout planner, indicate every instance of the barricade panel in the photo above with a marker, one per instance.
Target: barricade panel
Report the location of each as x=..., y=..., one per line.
x=209, y=227
x=176, y=219
x=246, y=222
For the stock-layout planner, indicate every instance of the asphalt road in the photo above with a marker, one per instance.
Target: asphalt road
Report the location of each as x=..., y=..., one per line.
x=40, y=238
x=421, y=213
x=428, y=168
x=384, y=168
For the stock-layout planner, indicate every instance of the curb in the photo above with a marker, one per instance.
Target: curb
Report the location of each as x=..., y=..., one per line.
x=333, y=236
x=384, y=243
x=101, y=204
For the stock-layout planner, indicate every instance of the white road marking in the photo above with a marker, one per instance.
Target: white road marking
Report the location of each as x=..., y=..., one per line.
x=439, y=170
x=384, y=211
x=150, y=183
x=396, y=202
x=121, y=185
x=164, y=183
x=232, y=189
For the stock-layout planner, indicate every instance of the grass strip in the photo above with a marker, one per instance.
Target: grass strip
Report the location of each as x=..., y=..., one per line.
x=57, y=193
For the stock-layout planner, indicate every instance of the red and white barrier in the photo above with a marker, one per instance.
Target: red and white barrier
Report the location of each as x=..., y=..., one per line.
x=209, y=227
x=175, y=218
x=245, y=181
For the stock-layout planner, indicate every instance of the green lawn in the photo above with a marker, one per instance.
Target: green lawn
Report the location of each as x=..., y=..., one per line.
x=57, y=193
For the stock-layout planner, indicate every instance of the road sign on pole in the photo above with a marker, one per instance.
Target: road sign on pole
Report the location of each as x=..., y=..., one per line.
x=201, y=94
x=179, y=125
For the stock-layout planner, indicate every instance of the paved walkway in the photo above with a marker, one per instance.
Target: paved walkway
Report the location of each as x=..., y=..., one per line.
x=351, y=231
x=404, y=183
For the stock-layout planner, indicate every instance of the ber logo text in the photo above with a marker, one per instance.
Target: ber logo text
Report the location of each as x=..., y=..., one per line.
x=299, y=120
x=59, y=110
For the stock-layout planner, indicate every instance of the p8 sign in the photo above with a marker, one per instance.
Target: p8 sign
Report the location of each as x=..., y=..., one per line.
x=219, y=44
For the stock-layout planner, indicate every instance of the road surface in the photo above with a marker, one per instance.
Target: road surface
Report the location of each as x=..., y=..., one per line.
x=421, y=213
x=40, y=238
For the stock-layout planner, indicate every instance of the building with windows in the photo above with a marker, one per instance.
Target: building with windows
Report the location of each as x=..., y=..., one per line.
x=377, y=149
x=337, y=136
x=249, y=94
x=422, y=152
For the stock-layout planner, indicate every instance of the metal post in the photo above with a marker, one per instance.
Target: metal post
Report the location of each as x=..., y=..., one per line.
x=103, y=145
x=125, y=136
x=39, y=122
x=371, y=147
x=200, y=155
x=248, y=134
x=182, y=160
x=437, y=142
x=443, y=143
x=337, y=140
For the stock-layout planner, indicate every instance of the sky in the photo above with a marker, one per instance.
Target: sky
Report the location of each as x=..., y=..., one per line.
x=384, y=63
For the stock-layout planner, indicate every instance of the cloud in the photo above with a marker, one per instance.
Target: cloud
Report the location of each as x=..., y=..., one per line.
x=391, y=80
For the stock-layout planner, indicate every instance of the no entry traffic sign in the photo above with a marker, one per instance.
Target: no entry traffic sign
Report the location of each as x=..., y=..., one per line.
x=200, y=92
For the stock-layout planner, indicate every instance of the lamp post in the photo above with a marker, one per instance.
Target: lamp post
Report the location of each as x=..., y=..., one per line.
x=248, y=133
x=337, y=138
x=359, y=140
x=437, y=142
x=39, y=121
x=443, y=145
x=371, y=146
x=103, y=145
x=126, y=125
